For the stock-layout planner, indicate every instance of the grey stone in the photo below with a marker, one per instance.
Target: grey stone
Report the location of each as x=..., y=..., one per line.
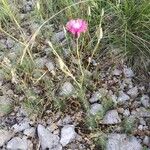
x=50, y=66
x=10, y=43
x=128, y=72
x=145, y=100
x=17, y=144
x=146, y=141
x=66, y=89
x=117, y=72
x=40, y=62
x=140, y=127
x=133, y=92
x=126, y=113
x=47, y=139
x=29, y=132
x=111, y=117
x=122, y=142
x=95, y=108
x=58, y=37
x=67, y=120
x=123, y=97
x=21, y=126
x=68, y=134
x=5, y=136
x=5, y=105
x=142, y=112
x=95, y=97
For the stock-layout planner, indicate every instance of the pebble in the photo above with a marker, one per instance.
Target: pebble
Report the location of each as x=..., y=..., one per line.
x=122, y=142
x=5, y=105
x=17, y=144
x=95, y=97
x=140, y=127
x=5, y=136
x=21, y=126
x=133, y=92
x=95, y=108
x=68, y=134
x=111, y=117
x=126, y=113
x=50, y=66
x=47, y=139
x=117, y=72
x=146, y=141
x=145, y=100
x=128, y=72
x=10, y=43
x=123, y=97
x=40, y=62
x=30, y=132
x=58, y=37
x=66, y=89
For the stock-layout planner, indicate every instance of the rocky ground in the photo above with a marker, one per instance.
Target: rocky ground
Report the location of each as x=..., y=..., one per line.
x=118, y=97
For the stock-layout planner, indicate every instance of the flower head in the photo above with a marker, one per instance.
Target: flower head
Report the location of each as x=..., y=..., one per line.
x=77, y=26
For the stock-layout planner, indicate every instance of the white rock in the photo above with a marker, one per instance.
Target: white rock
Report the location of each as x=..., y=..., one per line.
x=17, y=144
x=128, y=72
x=40, y=62
x=67, y=120
x=95, y=97
x=133, y=92
x=5, y=136
x=122, y=142
x=29, y=132
x=58, y=37
x=95, y=108
x=146, y=140
x=126, y=113
x=68, y=134
x=140, y=127
x=10, y=43
x=117, y=72
x=47, y=139
x=21, y=126
x=67, y=89
x=50, y=66
x=123, y=97
x=145, y=100
x=111, y=117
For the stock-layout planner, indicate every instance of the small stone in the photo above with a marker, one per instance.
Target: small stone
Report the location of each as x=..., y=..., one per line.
x=126, y=113
x=67, y=120
x=40, y=62
x=128, y=72
x=111, y=117
x=68, y=134
x=21, y=126
x=117, y=72
x=95, y=108
x=95, y=97
x=5, y=136
x=17, y=144
x=142, y=112
x=140, y=127
x=120, y=110
x=122, y=142
x=47, y=139
x=66, y=89
x=58, y=37
x=10, y=43
x=50, y=66
x=146, y=141
x=145, y=100
x=123, y=97
x=5, y=105
x=133, y=92
x=142, y=121
x=29, y=132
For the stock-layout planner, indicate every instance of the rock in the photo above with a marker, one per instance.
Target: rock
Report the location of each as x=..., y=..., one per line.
x=50, y=66
x=142, y=112
x=67, y=89
x=145, y=100
x=126, y=113
x=128, y=72
x=111, y=117
x=146, y=141
x=58, y=37
x=95, y=97
x=123, y=97
x=117, y=72
x=29, y=132
x=47, y=139
x=140, y=127
x=40, y=62
x=10, y=43
x=21, y=126
x=95, y=108
x=67, y=120
x=5, y=136
x=122, y=142
x=17, y=144
x=5, y=105
x=68, y=134
x=133, y=92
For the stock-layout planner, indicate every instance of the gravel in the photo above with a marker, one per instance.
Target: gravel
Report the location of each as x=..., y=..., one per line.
x=145, y=100
x=30, y=132
x=123, y=97
x=128, y=72
x=96, y=108
x=68, y=134
x=58, y=37
x=133, y=92
x=111, y=117
x=95, y=97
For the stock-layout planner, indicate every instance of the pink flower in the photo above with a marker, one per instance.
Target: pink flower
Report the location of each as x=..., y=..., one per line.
x=77, y=26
